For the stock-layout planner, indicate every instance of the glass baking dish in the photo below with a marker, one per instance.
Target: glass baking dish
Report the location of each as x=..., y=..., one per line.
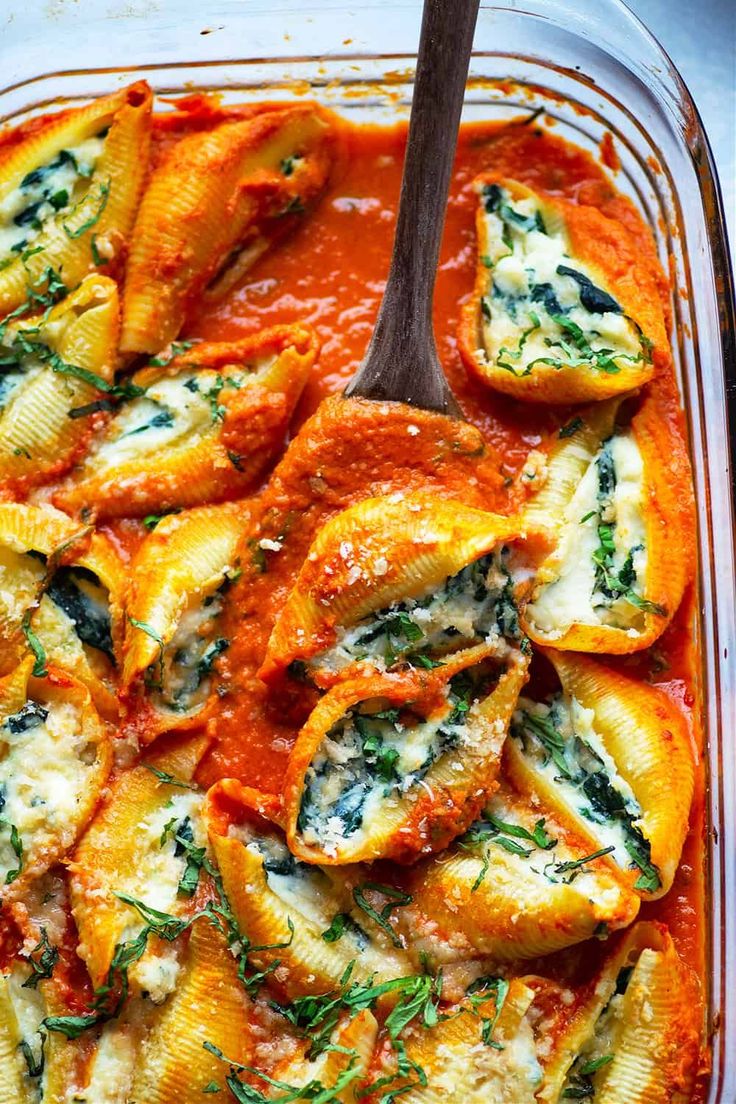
x=593, y=70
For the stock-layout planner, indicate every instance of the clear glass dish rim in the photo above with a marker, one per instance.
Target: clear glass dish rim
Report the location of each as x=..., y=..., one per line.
x=617, y=31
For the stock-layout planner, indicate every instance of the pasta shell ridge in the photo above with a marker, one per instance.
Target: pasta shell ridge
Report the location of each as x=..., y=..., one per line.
x=488, y=894
x=209, y=1005
x=78, y=337
x=220, y=412
x=644, y=1008
x=109, y=203
x=122, y=851
x=42, y=529
x=647, y=737
x=205, y=200
x=620, y=537
x=461, y=1069
x=376, y=553
x=182, y=567
x=267, y=889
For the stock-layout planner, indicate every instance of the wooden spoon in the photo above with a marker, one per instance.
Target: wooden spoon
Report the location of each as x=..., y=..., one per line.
x=389, y=433
x=401, y=363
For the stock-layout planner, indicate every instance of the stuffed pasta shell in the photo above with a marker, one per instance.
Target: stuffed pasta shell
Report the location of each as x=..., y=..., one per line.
x=55, y=758
x=50, y=367
x=614, y=503
x=563, y=309
x=210, y=1006
x=480, y=1050
x=69, y=193
x=336, y=1074
x=306, y=924
x=61, y=585
x=202, y=427
x=490, y=895
x=211, y=208
x=395, y=581
x=35, y=1064
x=393, y=766
x=613, y=755
x=139, y=845
x=181, y=575
x=632, y=1036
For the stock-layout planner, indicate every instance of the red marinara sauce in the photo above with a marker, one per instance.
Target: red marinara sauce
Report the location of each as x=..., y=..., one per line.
x=331, y=272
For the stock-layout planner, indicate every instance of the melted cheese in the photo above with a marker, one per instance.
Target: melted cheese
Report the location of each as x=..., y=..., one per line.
x=576, y=727
x=29, y=1009
x=43, y=775
x=155, y=881
x=20, y=575
x=573, y=595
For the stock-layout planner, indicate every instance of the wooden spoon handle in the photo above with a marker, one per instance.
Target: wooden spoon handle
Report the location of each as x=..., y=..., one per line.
x=401, y=362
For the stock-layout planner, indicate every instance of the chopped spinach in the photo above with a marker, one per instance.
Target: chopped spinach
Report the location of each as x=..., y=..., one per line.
x=593, y=298
x=79, y=593
x=29, y=716
x=42, y=958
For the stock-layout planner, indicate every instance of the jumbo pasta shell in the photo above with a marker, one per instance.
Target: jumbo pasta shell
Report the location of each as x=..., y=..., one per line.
x=107, y=1076
x=396, y=766
x=267, y=888
x=214, y=193
x=649, y=1034
x=563, y=310
x=460, y=1068
x=34, y=1063
x=488, y=895
x=76, y=610
x=208, y=423
x=180, y=578
x=56, y=758
x=631, y=785
x=351, y=1047
x=59, y=360
x=102, y=203
x=128, y=849
x=378, y=583
x=209, y=1005
x=619, y=520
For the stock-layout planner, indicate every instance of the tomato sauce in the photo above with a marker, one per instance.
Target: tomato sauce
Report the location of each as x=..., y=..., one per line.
x=331, y=272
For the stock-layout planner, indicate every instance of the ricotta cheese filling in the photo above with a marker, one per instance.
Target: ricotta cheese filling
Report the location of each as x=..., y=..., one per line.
x=474, y=605
x=591, y=1063
x=600, y=563
x=541, y=305
x=45, y=763
x=29, y=1009
x=173, y=411
x=304, y=889
x=46, y=191
x=559, y=741
x=182, y=678
x=372, y=757
x=157, y=881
